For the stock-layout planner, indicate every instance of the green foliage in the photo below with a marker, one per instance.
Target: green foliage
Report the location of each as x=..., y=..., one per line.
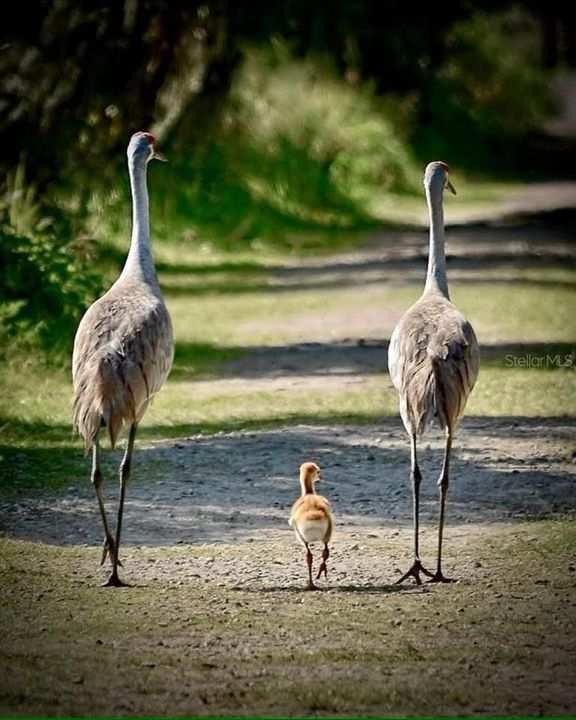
x=489, y=93
x=44, y=287
x=287, y=105
x=494, y=72
x=285, y=146
x=292, y=148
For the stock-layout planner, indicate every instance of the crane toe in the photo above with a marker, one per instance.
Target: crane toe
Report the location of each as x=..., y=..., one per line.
x=414, y=571
x=438, y=577
x=114, y=581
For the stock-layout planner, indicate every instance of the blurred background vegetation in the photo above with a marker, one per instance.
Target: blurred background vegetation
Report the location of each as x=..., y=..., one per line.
x=277, y=118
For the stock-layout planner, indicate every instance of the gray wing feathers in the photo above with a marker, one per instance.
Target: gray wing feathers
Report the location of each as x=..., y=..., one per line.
x=433, y=362
x=455, y=370
x=122, y=354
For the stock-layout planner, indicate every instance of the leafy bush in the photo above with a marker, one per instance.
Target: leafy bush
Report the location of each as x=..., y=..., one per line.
x=490, y=93
x=495, y=72
x=44, y=288
x=287, y=107
x=292, y=147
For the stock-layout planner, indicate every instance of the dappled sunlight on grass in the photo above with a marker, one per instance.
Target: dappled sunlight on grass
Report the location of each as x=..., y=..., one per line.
x=369, y=400
x=498, y=392
x=502, y=312
x=37, y=448
x=211, y=330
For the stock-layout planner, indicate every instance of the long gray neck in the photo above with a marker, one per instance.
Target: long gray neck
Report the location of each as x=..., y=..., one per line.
x=436, y=277
x=139, y=263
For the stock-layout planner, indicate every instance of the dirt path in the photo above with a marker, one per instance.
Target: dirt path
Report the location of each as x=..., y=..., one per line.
x=239, y=486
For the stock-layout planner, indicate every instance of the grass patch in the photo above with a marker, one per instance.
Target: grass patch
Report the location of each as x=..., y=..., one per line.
x=199, y=360
x=500, y=311
x=521, y=311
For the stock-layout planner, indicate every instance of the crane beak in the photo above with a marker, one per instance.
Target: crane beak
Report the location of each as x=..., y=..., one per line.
x=450, y=187
x=157, y=156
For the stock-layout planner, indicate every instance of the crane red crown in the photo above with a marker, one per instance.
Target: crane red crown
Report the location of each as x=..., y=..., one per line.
x=444, y=165
x=151, y=139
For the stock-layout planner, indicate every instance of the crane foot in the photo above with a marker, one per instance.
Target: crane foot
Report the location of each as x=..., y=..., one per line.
x=438, y=577
x=311, y=586
x=414, y=572
x=114, y=581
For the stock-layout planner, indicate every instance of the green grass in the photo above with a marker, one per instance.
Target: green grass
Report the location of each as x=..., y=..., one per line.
x=519, y=318
x=502, y=312
x=225, y=304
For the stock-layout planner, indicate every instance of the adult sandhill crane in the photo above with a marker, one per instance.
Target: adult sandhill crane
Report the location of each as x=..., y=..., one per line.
x=433, y=360
x=123, y=349
x=311, y=518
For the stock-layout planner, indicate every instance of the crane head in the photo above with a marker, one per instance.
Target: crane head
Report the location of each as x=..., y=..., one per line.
x=436, y=175
x=142, y=144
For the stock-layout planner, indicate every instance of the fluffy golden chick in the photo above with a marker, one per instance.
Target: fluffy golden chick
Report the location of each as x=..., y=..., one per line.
x=311, y=518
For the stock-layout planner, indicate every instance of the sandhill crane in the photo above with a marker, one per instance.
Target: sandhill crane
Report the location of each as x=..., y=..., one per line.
x=123, y=348
x=433, y=360
x=311, y=518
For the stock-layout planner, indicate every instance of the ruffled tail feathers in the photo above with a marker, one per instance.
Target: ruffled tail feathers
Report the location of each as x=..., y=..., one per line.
x=102, y=398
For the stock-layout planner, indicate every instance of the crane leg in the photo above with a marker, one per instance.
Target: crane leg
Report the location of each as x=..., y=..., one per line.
x=415, y=476
x=125, y=465
x=309, y=558
x=96, y=480
x=323, y=568
x=443, y=483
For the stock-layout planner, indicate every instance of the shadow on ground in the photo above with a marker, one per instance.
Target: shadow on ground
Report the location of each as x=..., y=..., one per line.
x=476, y=252
x=347, y=357
x=240, y=486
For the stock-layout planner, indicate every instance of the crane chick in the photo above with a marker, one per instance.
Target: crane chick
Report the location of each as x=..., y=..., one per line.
x=311, y=518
